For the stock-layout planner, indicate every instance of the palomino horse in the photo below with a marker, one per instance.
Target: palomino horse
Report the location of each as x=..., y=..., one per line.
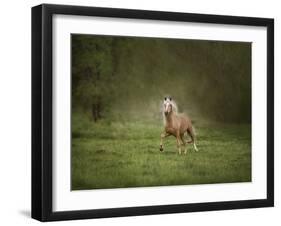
x=176, y=125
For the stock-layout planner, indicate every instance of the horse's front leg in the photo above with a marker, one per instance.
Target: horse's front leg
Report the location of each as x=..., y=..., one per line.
x=178, y=143
x=163, y=135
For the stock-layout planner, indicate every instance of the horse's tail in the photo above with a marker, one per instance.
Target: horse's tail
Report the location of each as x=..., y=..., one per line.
x=192, y=134
x=193, y=130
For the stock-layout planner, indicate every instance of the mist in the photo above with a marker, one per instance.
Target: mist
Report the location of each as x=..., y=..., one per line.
x=126, y=78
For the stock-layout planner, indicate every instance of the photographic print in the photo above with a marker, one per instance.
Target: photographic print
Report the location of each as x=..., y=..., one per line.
x=139, y=112
x=159, y=112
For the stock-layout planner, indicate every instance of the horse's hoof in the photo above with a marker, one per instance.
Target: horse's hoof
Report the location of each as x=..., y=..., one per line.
x=161, y=149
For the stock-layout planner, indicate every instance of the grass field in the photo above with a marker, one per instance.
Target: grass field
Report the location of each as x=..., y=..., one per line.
x=117, y=155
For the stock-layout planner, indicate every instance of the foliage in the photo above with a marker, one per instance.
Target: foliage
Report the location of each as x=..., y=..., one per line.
x=92, y=72
x=125, y=77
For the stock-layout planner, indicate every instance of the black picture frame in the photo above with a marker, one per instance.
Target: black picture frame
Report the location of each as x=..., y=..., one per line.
x=42, y=111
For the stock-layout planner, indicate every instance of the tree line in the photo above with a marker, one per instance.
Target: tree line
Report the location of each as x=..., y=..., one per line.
x=127, y=76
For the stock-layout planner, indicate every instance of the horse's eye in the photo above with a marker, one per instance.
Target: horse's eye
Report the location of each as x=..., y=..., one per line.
x=170, y=98
x=165, y=98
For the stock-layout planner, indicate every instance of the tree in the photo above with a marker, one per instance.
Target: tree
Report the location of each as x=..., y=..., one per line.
x=92, y=72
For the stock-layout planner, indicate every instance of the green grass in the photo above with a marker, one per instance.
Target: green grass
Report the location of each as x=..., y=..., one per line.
x=118, y=155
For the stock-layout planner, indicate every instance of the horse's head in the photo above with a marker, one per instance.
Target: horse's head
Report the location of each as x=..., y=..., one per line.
x=167, y=105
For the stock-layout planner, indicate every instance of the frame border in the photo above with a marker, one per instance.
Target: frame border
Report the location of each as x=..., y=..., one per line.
x=41, y=204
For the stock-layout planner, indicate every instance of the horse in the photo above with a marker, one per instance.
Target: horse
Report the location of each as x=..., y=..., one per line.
x=177, y=125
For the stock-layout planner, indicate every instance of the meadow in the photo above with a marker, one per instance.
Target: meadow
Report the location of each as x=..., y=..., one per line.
x=126, y=154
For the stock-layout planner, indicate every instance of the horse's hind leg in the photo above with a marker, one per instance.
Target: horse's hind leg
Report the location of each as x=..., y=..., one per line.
x=192, y=135
x=184, y=143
